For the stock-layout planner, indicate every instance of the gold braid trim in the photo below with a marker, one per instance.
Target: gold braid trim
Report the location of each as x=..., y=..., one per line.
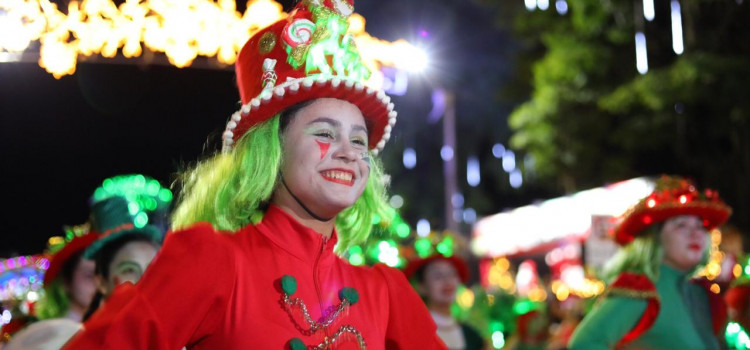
x=322, y=13
x=298, y=54
x=266, y=43
x=632, y=293
x=320, y=34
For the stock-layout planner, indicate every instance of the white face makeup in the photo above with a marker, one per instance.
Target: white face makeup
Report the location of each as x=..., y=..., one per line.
x=440, y=283
x=129, y=263
x=684, y=240
x=326, y=159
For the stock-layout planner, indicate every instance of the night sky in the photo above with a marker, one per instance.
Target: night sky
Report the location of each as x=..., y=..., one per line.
x=60, y=138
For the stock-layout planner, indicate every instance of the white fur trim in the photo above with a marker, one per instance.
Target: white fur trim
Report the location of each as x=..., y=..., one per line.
x=293, y=85
x=279, y=92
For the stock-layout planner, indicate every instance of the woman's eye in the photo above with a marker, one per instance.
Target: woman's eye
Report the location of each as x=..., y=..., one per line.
x=129, y=270
x=360, y=142
x=324, y=134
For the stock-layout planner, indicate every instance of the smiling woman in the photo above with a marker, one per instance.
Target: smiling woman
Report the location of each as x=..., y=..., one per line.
x=653, y=301
x=252, y=263
x=324, y=164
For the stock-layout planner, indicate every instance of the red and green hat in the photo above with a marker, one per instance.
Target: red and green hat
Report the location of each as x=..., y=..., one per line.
x=112, y=220
x=459, y=264
x=76, y=240
x=306, y=56
x=673, y=196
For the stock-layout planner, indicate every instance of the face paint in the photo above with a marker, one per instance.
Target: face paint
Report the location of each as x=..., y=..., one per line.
x=117, y=281
x=324, y=146
x=365, y=155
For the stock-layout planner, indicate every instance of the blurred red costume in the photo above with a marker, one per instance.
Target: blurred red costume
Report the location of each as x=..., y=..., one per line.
x=221, y=291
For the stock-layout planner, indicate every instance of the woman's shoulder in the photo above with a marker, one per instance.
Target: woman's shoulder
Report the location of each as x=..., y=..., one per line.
x=391, y=277
x=379, y=276
x=633, y=285
x=200, y=239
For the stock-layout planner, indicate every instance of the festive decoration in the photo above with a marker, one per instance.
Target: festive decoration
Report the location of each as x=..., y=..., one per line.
x=20, y=288
x=267, y=43
x=531, y=227
x=590, y=288
x=318, y=59
x=269, y=75
x=737, y=298
x=22, y=275
x=297, y=344
x=712, y=269
x=673, y=196
x=77, y=239
x=288, y=284
x=459, y=264
x=385, y=249
x=182, y=30
x=568, y=275
x=737, y=337
x=144, y=194
x=348, y=296
x=298, y=32
x=112, y=220
x=495, y=274
x=490, y=313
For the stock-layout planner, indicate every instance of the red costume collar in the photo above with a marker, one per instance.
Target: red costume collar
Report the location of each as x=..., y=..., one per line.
x=297, y=239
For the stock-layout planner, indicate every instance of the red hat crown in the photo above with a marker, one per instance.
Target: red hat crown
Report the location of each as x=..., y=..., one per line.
x=306, y=56
x=672, y=196
x=76, y=240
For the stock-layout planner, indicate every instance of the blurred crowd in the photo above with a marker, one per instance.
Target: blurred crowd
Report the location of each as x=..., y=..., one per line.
x=678, y=280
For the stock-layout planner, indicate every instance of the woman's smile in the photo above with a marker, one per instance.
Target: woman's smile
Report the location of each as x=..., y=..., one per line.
x=341, y=176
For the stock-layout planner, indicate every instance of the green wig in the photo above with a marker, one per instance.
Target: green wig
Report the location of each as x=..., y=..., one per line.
x=231, y=190
x=643, y=255
x=54, y=302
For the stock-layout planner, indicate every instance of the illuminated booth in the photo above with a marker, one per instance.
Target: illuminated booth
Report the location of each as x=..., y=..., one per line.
x=554, y=239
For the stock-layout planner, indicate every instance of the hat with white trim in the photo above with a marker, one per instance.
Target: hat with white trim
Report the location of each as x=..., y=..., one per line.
x=306, y=56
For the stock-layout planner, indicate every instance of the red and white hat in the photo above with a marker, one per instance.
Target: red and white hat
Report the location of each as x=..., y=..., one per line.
x=459, y=264
x=673, y=196
x=306, y=56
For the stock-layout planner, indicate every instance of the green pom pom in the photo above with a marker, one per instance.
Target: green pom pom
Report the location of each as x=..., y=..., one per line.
x=296, y=343
x=288, y=284
x=349, y=294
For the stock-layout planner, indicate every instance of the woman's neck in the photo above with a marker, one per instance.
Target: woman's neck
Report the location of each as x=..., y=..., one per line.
x=76, y=312
x=444, y=310
x=678, y=269
x=325, y=228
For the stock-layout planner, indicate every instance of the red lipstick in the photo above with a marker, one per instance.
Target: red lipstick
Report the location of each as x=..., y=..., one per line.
x=340, y=176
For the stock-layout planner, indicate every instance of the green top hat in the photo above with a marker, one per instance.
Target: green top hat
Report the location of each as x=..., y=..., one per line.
x=111, y=219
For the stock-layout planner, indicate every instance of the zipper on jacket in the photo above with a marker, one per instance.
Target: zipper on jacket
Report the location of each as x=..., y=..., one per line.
x=323, y=243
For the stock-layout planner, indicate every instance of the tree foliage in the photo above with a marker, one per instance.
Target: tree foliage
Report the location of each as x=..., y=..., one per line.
x=591, y=118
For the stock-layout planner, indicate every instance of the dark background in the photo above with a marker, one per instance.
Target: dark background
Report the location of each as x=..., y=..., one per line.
x=60, y=138
x=559, y=89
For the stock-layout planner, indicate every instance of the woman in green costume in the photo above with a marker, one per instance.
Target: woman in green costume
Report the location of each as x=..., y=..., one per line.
x=652, y=301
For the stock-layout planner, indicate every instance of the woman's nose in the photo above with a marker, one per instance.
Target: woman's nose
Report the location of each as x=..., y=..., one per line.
x=347, y=152
x=699, y=231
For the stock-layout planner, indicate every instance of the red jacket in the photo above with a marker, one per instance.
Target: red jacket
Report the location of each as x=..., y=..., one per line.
x=222, y=291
